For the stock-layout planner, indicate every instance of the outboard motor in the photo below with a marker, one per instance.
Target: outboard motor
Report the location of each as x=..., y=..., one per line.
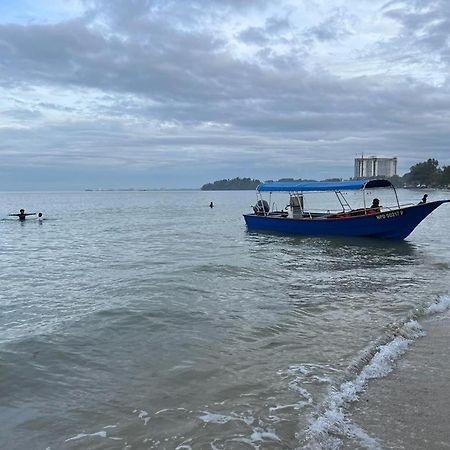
x=261, y=207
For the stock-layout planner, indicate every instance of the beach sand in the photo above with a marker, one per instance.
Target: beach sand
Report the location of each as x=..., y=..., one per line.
x=410, y=408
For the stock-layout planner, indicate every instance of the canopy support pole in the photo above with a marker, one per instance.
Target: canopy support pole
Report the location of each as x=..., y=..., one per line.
x=339, y=199
x=396, y=196
x=344, y=201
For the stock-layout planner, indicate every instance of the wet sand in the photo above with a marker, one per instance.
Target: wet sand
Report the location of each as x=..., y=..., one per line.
x=410, y=408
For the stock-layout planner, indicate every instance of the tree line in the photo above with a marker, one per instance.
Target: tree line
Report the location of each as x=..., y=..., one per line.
x=235, y=184
x=424, y=174
x=246, y=184
x=427, y=173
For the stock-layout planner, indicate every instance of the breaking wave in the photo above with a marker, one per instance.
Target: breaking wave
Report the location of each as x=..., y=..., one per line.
x=331, y=424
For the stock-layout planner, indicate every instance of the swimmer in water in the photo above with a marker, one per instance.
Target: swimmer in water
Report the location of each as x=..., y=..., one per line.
x=39, y=218
x=211, y=205
x=22, y=215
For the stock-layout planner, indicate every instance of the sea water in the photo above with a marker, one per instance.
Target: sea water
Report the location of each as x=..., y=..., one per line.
x=147, y=320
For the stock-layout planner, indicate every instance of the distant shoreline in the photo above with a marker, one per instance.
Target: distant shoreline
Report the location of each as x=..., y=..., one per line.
x=141, y=190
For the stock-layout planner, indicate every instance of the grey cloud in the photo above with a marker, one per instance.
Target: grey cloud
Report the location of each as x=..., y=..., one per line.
x=134, y=15
x=55, y=107
x=46, y=52
x=332, y=28
x=254, y=35
x=22, y=114
x=177, y=94
x=425, y=26
x=271, y=31
x=170, y=63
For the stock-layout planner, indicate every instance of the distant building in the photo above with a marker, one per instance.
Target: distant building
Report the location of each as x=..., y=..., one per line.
x=373, y=166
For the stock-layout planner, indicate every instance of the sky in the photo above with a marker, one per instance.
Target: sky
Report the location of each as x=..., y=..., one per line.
x=178, y=93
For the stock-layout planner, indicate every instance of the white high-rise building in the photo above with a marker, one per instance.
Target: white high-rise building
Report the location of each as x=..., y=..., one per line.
x=374, y=166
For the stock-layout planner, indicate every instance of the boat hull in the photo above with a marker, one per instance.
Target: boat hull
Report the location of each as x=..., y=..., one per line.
x=394, y=224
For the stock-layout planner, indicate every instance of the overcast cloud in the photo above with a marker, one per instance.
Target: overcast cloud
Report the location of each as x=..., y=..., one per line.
x=150, y=93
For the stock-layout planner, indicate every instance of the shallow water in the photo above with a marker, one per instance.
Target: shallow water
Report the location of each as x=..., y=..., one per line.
x=149, y=320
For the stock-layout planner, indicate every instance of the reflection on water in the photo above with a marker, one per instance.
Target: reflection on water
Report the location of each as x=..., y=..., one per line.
x=341, y=244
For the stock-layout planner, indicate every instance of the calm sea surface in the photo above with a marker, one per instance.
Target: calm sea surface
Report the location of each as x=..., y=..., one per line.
x=147, y=320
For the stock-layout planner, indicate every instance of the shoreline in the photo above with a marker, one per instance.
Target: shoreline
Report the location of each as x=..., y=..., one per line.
x=408, y=409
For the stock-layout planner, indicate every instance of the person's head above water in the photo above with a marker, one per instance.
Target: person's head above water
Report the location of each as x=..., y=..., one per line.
x=22, y=211
x=40, y=215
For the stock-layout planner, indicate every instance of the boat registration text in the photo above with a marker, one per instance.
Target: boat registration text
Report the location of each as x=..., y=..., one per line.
x=390, y=215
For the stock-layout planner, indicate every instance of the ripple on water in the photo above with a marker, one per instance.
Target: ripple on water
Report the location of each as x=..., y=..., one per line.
x=125, y=322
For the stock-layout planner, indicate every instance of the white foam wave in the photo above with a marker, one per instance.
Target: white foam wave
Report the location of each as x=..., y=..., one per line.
x=294, y=385
x=299, y=376
x=142, y=415
x=83, y=435
x=282, y=407
x=326, y=430
x=215, y=418
x=220, y=418
x=213, y=445
x=184, y=445
x=259, y=435
x=442, y=305
x=165, y=410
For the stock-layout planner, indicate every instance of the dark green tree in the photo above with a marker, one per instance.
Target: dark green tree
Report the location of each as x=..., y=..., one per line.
x=397, y=180
x=445, y=176
x=427, y=173
x=236, y=184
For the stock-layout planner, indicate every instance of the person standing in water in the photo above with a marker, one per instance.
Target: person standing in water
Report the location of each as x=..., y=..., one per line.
x=211, y=205
x=22, y=215
x=39, y=218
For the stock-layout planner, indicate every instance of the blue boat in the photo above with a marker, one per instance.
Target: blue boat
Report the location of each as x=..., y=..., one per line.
x=395, y=222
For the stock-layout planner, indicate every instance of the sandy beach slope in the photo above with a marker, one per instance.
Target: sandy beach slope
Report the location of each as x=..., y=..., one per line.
x=410, y=408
